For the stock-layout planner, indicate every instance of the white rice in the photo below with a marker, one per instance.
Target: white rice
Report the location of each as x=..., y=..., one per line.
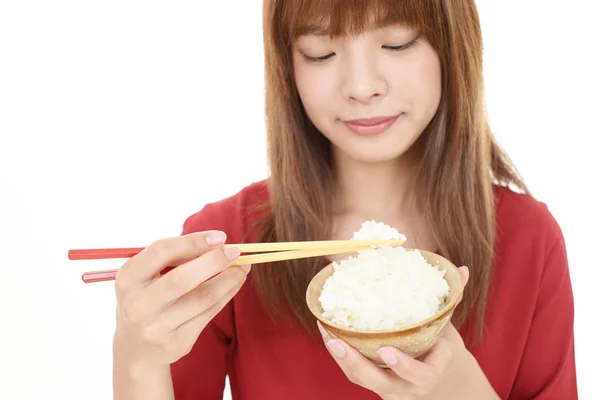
x=382, y=288
x=372, y=230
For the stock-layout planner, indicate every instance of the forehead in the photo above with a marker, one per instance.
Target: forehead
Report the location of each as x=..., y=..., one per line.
x=335, y=18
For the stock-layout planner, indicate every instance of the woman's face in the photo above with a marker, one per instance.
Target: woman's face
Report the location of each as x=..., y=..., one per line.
x=371, y=95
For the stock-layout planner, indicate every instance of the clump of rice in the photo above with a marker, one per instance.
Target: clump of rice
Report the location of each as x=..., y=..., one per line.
x=372, y=230
x=382, y=288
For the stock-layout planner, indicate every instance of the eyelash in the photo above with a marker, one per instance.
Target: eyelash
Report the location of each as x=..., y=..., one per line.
x=392, y=48
x=402, y=46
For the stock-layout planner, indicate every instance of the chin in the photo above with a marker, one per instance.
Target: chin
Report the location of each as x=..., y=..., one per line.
x=388, y=147
x=372, y=154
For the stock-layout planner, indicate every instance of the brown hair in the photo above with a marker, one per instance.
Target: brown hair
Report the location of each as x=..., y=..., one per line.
x=460, y=160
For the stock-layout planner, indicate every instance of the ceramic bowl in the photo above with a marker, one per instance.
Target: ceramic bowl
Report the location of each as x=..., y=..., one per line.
x=413, y=340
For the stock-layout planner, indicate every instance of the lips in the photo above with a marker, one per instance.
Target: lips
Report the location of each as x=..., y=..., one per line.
x=370, y=126
x=369, y=121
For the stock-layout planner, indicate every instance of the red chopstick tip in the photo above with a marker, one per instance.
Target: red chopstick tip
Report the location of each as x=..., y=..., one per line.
x=98, y=254
x=99, y=276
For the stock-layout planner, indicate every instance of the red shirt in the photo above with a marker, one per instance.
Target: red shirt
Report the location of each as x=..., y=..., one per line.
x=527, y=350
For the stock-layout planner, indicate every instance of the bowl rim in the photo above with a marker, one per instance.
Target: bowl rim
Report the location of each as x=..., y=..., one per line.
x=442, y=313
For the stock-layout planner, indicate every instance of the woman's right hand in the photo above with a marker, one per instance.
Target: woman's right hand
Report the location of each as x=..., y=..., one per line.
x=159, y=317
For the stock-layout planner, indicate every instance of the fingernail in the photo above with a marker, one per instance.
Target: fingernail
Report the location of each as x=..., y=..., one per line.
x=215, y=238
x=336, y=348
x=246, y=268
x=232, y=253
x=388, y=356
x=322, y=330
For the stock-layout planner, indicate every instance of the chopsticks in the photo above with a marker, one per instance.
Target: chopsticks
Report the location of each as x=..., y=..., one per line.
x=108, y=275
x=269, y=252
x=102, y=254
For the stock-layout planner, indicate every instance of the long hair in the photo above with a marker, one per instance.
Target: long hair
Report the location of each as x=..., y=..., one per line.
x=459, y=165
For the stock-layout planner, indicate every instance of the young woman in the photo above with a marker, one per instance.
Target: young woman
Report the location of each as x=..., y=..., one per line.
x=375, y=111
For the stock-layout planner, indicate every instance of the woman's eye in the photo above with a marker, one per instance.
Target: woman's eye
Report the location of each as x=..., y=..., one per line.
x=393, y=48
x=402, y=46
x=319, y=58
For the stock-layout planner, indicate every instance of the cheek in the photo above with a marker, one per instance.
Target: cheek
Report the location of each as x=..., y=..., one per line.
x=316, y=88
x=421, y=82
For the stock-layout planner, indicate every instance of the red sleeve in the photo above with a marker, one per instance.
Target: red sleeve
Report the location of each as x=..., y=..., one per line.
x=547, y=369
x=201, y=373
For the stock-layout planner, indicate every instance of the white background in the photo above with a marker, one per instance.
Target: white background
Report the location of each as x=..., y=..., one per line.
x=118, y=119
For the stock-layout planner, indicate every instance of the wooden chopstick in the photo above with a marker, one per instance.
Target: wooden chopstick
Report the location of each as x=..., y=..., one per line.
x=109, y=275
x=294, y=254
x=312, y=245
x=99, y=254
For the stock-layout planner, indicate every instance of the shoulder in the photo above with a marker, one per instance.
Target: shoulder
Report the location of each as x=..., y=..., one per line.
x=527, y=233
x=233, y=214
x=522, y=214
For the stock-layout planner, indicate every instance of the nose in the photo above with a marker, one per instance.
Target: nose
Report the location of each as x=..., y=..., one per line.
x=363, y=80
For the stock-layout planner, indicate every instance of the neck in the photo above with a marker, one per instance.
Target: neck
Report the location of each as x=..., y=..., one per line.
x=382, y=192
x=379, y=191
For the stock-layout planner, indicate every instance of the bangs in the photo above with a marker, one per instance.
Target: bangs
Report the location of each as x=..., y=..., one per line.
x=336, y=18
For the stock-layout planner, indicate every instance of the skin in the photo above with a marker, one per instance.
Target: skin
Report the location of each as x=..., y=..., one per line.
x=363, y=76
x=362, y=79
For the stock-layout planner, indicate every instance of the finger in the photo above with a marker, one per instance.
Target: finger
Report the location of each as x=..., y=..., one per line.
x=188, y=331
x=413, y=371
x=358, y=369
x=465, y=274
x=183, y=279
x=451, y=333
x=167, y=252
x=221, y=288
x=440, y=355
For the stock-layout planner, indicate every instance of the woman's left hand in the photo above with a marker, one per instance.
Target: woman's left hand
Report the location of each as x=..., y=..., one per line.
x=407, y=378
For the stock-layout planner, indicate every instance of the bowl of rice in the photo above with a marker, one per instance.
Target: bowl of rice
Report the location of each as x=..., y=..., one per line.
x=386, y=296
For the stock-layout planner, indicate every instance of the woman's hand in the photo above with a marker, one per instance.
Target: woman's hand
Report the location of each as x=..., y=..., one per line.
x=159, y=317
x=439, y=374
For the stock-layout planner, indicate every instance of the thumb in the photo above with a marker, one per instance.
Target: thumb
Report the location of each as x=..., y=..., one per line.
x=465, y=274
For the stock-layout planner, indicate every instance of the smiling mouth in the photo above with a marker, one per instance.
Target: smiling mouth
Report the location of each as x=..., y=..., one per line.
x=371, y=126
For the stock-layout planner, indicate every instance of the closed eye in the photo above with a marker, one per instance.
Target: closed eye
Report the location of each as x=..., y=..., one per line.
x=393, y=48
x=319, y=58
x=402, y=46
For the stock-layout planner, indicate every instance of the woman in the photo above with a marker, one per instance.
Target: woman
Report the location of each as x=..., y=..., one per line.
x=375, y=112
